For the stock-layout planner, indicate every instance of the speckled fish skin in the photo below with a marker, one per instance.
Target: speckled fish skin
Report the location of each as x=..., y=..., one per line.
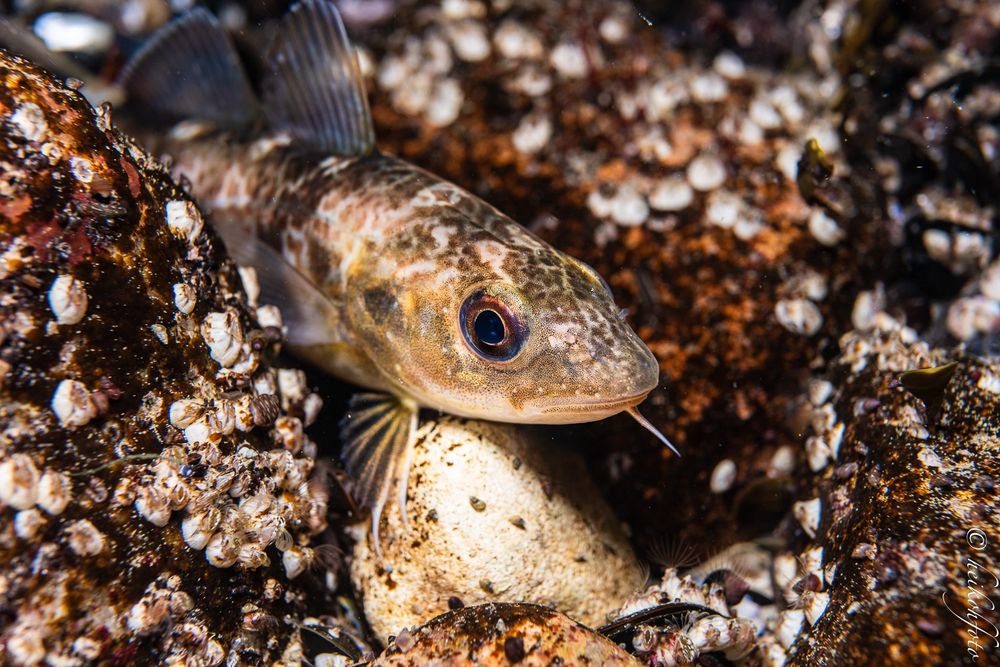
x=397, y=250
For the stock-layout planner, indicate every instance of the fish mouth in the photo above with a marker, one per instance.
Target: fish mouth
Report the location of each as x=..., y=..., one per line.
x=596, y=408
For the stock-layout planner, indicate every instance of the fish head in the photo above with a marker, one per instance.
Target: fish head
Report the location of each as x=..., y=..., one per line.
x=499, y=325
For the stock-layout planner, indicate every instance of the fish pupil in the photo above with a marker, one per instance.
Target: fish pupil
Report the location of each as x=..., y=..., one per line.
x=489, y=328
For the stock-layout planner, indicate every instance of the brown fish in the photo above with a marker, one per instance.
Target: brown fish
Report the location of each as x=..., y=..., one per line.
x=388, y=276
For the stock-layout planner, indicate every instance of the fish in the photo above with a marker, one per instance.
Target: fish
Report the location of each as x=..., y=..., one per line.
x=387, y=276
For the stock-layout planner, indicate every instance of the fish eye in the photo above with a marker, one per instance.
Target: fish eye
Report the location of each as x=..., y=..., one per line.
x=490, y=328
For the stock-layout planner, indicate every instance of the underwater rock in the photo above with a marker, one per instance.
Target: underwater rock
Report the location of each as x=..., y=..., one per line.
x=898, y=526
x=502, y=634
x=149, y=479
x=495, y=514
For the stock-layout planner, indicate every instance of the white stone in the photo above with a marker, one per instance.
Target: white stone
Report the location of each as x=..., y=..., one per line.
x=709, y=88
x=469, y=40
x=729, y=65
x=445, y=103
x=629, y=207
x=18, y=482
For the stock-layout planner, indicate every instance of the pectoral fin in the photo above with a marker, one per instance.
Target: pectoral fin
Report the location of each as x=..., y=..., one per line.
x=378, y=433
x=308, y=312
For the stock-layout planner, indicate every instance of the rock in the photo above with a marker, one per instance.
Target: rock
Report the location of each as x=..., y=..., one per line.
x=495, y=515
x=502, y=634
x=127, y=443
x=906, y=531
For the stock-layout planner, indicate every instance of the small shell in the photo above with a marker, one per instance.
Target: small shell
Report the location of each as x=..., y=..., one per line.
x=671, y=194
x=72, y=404
x=29, y=121
x=825, y=229
x=311, y=408
x=224, y=336
x=292, y=385
x=68, y=299
x=84, y=538
x=569, y=60
x=185, y=298
x=815, y=606
x=18, y=482
x=184, y=220
x=54, y=492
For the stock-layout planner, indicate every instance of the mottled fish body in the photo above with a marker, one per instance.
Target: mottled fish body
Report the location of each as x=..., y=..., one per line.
x=387, y=276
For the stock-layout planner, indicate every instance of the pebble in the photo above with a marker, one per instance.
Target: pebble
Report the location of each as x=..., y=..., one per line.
x=569, y=60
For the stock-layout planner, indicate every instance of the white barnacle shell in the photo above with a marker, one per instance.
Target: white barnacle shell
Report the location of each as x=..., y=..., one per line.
x=153, y=506
x=808, y=513
x=800, y=316
x=28, y=523
x=815, y=606
x=18, y=482
x=68, y=299
x=185, y=412
x=723, y=476
x=82, y=171
x=224, y=336
x=84, y=538
x=183, y=219
x=269, y=316
x=197, y=529
x=222, y=550
x=706, y=172
x=72, y=404
x=185, y=298
x=295, y=560
x=54, y=492
x=789, y=626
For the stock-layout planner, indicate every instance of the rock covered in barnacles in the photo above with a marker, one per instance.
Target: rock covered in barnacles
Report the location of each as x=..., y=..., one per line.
x=899, y=529
x=494, y=515
x=674, y=173
x=502, y=634
x=149, y=479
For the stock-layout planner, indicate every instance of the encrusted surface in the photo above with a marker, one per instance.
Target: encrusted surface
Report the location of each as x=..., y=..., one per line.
x=140, y=416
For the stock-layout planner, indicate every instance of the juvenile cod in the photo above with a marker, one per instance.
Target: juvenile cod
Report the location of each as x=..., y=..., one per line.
x=387, y=276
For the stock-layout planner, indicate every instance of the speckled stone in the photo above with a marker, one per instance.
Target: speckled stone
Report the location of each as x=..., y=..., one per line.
x=495, y=514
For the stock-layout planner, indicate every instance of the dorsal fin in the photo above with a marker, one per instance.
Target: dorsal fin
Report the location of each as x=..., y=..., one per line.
x=313, y=89
x=190, y=70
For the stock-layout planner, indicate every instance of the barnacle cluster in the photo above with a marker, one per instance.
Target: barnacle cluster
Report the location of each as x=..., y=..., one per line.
x=142, y=417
